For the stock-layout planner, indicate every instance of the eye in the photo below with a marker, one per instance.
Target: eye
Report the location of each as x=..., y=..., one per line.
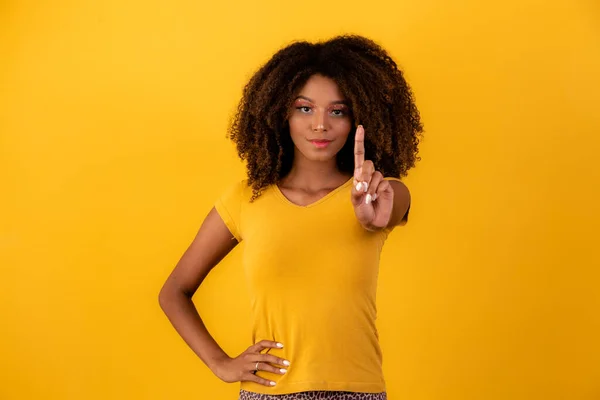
x=303, y=109
x=338, y=113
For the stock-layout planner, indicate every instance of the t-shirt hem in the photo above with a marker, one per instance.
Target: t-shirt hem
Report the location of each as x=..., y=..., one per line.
x=295, y=387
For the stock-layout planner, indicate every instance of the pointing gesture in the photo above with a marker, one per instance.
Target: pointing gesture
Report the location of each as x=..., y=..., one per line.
x=372, y=196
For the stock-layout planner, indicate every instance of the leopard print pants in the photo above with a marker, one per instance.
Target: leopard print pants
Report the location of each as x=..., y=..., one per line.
x=314, y=395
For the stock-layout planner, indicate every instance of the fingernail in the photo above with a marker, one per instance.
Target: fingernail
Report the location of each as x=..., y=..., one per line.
x=280, y=345
x=374, y=197
x=283, y=370
x=359, y=187
x=368, y=199
x=272, y=383
x=366, y=186
x=286, y=362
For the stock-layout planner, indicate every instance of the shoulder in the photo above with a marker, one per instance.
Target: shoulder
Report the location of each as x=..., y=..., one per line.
x=396, y=183
x=234, y=195
x=238, y=188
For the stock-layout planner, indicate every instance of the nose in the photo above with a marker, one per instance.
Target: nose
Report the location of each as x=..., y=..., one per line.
x=318, y=121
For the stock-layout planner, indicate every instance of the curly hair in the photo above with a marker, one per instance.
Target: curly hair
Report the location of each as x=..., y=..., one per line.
x=378, y=96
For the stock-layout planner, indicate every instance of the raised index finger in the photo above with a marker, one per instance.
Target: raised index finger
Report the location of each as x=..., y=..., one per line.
x=359, y=148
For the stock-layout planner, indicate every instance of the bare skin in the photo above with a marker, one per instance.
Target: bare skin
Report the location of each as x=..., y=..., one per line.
x=319, y=115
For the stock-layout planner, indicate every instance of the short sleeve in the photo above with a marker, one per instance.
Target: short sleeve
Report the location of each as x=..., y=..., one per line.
x=229, y=208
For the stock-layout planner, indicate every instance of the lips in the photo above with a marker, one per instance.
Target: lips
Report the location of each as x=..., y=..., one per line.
x=320, y=143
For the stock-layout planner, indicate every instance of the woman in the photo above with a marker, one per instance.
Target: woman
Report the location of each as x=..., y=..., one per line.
x=326, y=131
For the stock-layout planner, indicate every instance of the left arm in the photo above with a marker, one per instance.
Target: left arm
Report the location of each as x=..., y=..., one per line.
x=401, y=204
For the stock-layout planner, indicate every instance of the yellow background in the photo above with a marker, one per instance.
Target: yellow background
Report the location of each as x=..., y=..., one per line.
x=112, y=150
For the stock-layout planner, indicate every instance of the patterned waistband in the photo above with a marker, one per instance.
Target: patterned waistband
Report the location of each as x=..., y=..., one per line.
x=313, y=395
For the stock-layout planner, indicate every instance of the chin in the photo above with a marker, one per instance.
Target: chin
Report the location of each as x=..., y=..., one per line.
x=322, y=158
x=319, y=155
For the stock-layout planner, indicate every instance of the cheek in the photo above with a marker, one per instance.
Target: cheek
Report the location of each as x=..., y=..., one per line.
x=296, y=125
x=342, y=128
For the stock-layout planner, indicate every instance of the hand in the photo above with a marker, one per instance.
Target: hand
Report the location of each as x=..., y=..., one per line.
x=243, y=367
x=372, y=196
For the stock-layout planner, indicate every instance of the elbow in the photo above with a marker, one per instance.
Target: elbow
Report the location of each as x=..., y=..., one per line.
x=162, y=298
x=165, y=296
x=170, y=294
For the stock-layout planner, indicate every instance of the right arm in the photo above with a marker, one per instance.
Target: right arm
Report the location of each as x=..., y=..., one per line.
x=211, y=244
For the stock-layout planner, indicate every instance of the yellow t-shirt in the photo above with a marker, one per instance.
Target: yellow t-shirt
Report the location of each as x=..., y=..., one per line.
x=312, y=277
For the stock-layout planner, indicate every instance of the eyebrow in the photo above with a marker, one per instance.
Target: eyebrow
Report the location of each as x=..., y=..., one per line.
x=312, y=101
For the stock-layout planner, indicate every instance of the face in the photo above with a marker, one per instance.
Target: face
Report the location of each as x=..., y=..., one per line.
x=320, y=120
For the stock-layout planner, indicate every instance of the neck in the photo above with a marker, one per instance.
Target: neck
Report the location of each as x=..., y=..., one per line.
x=313, y=174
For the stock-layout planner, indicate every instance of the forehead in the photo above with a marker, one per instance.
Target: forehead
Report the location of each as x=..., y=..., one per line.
x=321, y=89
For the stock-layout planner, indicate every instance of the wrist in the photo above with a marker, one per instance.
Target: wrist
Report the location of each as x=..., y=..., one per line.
x=215, y=364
